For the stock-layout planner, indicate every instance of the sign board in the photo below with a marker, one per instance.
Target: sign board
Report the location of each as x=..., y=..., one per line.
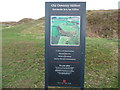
x=64, y=44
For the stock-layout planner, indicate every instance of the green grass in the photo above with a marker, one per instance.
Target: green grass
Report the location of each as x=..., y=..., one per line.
x=0, y=57
x=23, y=58
x=55, y=31
x=101, y=67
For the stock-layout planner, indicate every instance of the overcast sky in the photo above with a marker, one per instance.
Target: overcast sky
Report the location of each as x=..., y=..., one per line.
x=14, y=10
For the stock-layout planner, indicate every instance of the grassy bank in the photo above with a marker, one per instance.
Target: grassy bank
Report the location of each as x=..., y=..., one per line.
x=23, y=58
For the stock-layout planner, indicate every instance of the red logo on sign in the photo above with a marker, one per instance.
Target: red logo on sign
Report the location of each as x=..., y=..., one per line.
x=64, y=81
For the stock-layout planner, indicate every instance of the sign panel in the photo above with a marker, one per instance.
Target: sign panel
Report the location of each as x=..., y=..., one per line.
x=64, y=43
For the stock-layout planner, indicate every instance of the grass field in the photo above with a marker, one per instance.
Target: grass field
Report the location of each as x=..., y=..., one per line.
x=23, y=58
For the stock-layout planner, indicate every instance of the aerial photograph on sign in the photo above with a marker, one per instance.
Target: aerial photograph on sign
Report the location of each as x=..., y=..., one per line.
x=65, y=30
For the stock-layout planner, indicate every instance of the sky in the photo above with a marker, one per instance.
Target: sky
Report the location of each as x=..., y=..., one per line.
x=15, y=10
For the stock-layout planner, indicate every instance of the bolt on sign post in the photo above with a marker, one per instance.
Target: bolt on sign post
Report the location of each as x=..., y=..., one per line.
x=64, y=44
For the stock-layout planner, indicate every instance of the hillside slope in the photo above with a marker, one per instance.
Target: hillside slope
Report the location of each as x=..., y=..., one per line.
x=102, y=23
x=23, y=55
x=99, y=23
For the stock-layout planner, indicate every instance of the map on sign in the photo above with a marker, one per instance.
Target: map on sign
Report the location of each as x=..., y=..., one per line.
x=65, y=30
